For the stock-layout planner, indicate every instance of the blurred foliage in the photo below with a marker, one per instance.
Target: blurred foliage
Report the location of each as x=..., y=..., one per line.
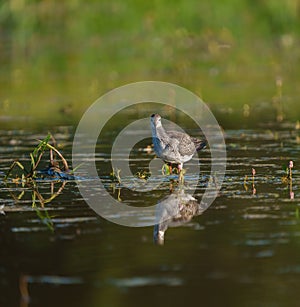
x=57, y=57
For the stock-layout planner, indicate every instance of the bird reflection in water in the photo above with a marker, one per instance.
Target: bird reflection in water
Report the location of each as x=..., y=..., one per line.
x=175, y=210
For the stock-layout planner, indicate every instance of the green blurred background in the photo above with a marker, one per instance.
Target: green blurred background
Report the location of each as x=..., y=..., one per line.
x=57, y=57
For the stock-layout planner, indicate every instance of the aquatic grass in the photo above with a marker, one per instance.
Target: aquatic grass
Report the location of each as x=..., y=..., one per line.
x=169, y=169
x=31, y=177
x=245, y=183
x=35, y=160
x=38, y=202
x=13, y=165
x=45, y=218
x=288, y=177
x=292, y=194
x=253, y=181
x=166, y=170
x=291, y=165
x=37, y=154
x=143, y=175
x=115, y=175
x=253, y=172
x=115, y=183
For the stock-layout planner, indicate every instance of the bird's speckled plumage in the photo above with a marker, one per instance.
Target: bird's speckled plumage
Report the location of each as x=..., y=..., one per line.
x=173, y=146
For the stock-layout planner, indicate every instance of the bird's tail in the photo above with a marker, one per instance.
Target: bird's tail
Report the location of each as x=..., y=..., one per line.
x=199, y=144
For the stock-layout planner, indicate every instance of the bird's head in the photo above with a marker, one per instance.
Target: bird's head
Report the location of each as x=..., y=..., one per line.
x=156, y=120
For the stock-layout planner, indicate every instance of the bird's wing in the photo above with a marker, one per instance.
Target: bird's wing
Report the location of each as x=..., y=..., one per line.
x=185, y=145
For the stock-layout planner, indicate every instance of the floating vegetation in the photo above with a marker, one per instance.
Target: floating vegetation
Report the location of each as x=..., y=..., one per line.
x=169, y=169
x=287, y=179
x=18, y=173
x=143, y=175
x=53, y=170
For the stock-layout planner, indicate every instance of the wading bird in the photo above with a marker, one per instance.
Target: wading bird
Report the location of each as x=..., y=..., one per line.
x=173, y=147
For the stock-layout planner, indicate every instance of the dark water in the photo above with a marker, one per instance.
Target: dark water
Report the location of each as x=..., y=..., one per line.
x=242, y=251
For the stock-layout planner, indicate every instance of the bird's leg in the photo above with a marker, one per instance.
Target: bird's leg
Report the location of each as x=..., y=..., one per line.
x=171, y=187
x=181, y=173
x=170, y=168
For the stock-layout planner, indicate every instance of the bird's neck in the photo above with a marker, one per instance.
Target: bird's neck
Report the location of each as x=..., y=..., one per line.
x=160, y=132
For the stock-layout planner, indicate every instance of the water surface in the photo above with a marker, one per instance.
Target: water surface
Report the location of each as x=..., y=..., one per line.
x=242, y=251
